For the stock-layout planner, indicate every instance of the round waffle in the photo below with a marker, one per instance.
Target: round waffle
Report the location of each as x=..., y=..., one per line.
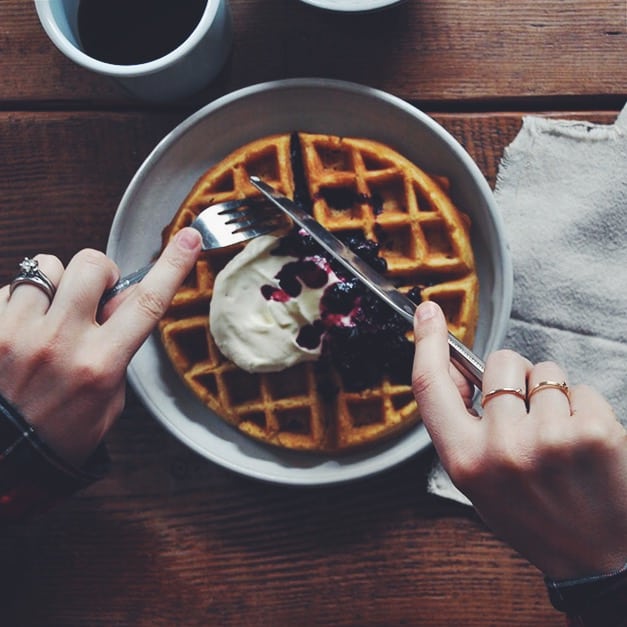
x=350, y=185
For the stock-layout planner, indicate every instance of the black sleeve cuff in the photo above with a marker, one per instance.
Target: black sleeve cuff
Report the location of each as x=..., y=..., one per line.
x=599, y=599
x=32, y=476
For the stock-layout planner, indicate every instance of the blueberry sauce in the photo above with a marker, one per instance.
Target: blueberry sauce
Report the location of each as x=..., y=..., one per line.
x=361, y=337
x=311, y=272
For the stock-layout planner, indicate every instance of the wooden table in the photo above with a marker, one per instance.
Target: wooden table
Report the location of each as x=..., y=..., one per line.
x=171, y=539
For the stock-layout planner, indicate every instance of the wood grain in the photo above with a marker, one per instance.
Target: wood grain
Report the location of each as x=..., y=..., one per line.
x=63, y=175
x=426, y=50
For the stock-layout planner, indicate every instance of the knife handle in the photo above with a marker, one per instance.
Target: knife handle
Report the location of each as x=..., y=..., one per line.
x=466, y=361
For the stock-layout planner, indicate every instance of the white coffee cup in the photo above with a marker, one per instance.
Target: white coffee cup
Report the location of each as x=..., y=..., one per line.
x=178, y=74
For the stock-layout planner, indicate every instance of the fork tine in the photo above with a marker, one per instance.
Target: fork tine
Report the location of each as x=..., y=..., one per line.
x=238, y=204
x=234, y=222
x=221, y=224
x=248, y=216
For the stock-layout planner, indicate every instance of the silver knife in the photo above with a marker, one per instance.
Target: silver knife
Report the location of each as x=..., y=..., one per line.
x=463, y=358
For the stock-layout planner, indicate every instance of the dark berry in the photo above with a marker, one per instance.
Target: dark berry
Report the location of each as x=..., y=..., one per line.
x=312, y=275
x=415, y=295
x=340, y=298
x=310, y=335
x=288, y=278
x=297, y=243
x=379, y=264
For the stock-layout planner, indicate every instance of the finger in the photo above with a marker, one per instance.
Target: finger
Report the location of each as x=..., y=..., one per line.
x=134, y=319
x=4, y=298
x=547, y=390
x=504, y=385
x=27, y=299
x=464, y=386
x=590, y=410
x=439, y=401
x=106, y=311
x=82, y=285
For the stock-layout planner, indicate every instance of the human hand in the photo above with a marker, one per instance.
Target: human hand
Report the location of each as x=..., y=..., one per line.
x=551, y=483
x=62, y=363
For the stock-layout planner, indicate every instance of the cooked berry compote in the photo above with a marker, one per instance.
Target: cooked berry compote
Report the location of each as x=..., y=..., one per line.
x=358, y=333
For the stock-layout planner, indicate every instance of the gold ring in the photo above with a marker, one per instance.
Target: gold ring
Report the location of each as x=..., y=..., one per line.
x=556, y=385
x=498, y=391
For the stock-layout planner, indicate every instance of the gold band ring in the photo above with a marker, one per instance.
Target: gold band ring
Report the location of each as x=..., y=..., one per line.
x=518, y=392
x=556, y=385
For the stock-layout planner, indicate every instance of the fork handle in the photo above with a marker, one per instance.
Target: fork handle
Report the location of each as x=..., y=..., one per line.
x=125, y=282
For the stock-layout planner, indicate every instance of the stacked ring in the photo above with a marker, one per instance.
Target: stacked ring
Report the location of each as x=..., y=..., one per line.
x=30, y=274
x=518, y=392
x=562, y=387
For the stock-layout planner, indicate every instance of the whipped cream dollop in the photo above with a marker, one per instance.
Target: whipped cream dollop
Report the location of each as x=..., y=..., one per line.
x=265, y=312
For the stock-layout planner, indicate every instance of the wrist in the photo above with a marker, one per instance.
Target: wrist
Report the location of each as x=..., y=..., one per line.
x=68, y=445
x=595, y=600
x=33, y=476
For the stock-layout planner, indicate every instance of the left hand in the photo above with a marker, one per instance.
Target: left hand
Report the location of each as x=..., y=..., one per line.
x=63, y=368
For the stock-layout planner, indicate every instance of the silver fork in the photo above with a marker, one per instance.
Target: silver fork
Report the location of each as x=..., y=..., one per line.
x=220, y=225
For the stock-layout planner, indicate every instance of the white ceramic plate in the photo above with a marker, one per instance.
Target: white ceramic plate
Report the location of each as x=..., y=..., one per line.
x=352, y=5
x=313, y=105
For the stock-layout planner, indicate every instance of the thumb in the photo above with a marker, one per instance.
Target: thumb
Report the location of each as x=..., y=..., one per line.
x=431, y=358
x=439, y=400
x=134, y=319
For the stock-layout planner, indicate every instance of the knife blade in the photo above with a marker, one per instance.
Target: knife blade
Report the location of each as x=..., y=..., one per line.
x=469, y=364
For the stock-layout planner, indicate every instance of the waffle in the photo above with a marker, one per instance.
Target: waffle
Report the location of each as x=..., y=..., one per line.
x=350, y=185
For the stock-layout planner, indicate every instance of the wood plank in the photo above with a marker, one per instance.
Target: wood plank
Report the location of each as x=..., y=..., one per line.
x=428, y=50
x=63, y=175
x=457, y=50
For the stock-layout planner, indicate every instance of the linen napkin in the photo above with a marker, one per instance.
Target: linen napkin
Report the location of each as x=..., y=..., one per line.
x=562, y=191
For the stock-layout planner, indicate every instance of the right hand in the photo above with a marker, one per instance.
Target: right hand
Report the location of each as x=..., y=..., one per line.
x=550, y=483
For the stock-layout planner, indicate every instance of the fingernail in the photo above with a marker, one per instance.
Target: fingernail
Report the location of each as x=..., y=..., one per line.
x=426, y=311
x=188, y=239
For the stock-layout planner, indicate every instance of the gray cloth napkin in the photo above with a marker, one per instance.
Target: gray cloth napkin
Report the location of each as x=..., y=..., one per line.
x=562, y=191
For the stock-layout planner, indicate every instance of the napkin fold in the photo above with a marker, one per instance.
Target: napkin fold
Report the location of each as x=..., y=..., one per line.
x=562, y=191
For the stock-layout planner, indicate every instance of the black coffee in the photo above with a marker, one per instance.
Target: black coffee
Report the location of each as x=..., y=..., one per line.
x=127, y=32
